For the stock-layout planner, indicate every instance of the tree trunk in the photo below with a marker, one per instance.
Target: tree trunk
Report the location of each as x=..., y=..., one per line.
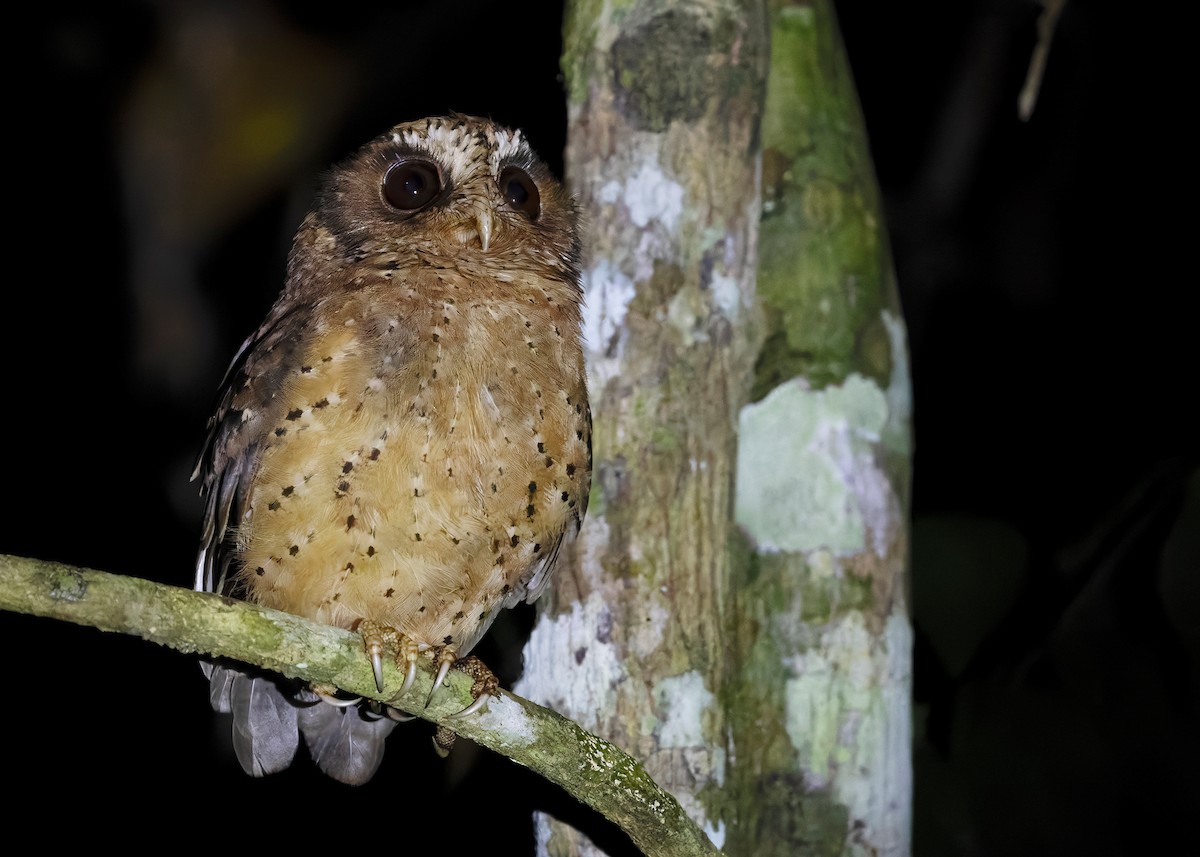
x=821, y=719
x=759, y=668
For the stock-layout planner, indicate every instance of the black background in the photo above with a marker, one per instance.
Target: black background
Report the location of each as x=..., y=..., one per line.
x=1056, y=502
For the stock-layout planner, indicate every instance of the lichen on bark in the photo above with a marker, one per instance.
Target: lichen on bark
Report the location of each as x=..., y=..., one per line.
x=748, y=664
x=823, y=640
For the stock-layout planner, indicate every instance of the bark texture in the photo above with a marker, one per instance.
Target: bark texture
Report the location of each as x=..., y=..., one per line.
x=664, y=110
x=820, y=715
x=735, y=614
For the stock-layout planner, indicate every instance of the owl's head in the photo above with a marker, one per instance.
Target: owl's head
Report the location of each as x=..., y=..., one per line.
x=455, y=191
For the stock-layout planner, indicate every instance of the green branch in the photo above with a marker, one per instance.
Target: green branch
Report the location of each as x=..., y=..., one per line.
x=590, y=769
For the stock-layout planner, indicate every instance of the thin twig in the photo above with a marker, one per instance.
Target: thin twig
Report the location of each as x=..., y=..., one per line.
x=1047, y=21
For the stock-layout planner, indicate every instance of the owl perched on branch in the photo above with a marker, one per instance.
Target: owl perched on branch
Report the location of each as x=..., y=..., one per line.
x=402, y=446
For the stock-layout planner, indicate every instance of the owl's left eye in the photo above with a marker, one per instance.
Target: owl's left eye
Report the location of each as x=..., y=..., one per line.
x=412, y=184
x=520, y=192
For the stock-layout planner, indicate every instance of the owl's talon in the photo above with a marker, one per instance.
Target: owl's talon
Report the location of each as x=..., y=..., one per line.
x=475, y=706
x=485, y=687
x=377, y=668
x=376, y=640
x=406, y=657
x=446, y=660
x=337, y=701
x=397, y=715
x=409, y=677
x=379, y=639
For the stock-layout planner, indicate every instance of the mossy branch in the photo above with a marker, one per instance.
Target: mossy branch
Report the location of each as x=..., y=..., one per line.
x=592, y=770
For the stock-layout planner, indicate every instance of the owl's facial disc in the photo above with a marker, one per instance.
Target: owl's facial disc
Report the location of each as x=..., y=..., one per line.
x=413, y=184
x=420, y=180
x=518, y=191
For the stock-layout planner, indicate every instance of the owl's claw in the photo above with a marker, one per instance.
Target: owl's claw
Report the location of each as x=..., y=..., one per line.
x=409, y=677
x=378, y=639
x=485, y=687
x=395, y=714
x=446, y=660
x=335, y=701
x=477, y=705
x=377, y=668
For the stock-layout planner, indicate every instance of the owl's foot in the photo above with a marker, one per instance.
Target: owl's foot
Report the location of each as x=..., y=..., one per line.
x=486, y=684
x=380, y=639
x=485, y=687
x=443, y=740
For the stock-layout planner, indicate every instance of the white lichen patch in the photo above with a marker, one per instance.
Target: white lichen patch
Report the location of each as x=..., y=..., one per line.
x=554, y=673
x=647, y=637
x=642, y=207
x=682, y=699
x=821, y=688
x=649, y=195
x=807, y=476
x=822, y=566
x=726, y=294
x=848, y=716
x=681, y=702
x=506, y=716
x=798, y=14
x=888, y=793
x=607, y=295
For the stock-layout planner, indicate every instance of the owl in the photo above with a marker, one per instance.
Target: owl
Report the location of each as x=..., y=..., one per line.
x=403, y=445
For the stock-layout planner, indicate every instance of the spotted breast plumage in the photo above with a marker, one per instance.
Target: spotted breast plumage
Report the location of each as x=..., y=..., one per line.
x=402, y=446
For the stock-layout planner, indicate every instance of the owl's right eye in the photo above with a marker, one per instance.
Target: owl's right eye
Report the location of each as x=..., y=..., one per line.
x=412, y=184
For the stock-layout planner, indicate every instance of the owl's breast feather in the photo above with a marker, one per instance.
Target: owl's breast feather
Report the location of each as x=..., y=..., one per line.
x=424, y=465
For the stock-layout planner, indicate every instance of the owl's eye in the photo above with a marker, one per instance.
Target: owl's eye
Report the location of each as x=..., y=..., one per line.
x=412, y=184
x=521, y=193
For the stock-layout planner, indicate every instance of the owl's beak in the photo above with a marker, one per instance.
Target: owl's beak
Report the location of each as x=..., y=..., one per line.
x=483, y=225
x=477, y=221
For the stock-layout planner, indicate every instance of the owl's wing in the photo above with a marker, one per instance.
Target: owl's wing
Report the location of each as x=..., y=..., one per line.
x=541, y=571
x=268, y=711
x=234, y=444
x=540, y=579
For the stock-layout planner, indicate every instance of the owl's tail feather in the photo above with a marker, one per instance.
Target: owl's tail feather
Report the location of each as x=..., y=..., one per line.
x=345, y=741
x=265, y=729
x=270, y=713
